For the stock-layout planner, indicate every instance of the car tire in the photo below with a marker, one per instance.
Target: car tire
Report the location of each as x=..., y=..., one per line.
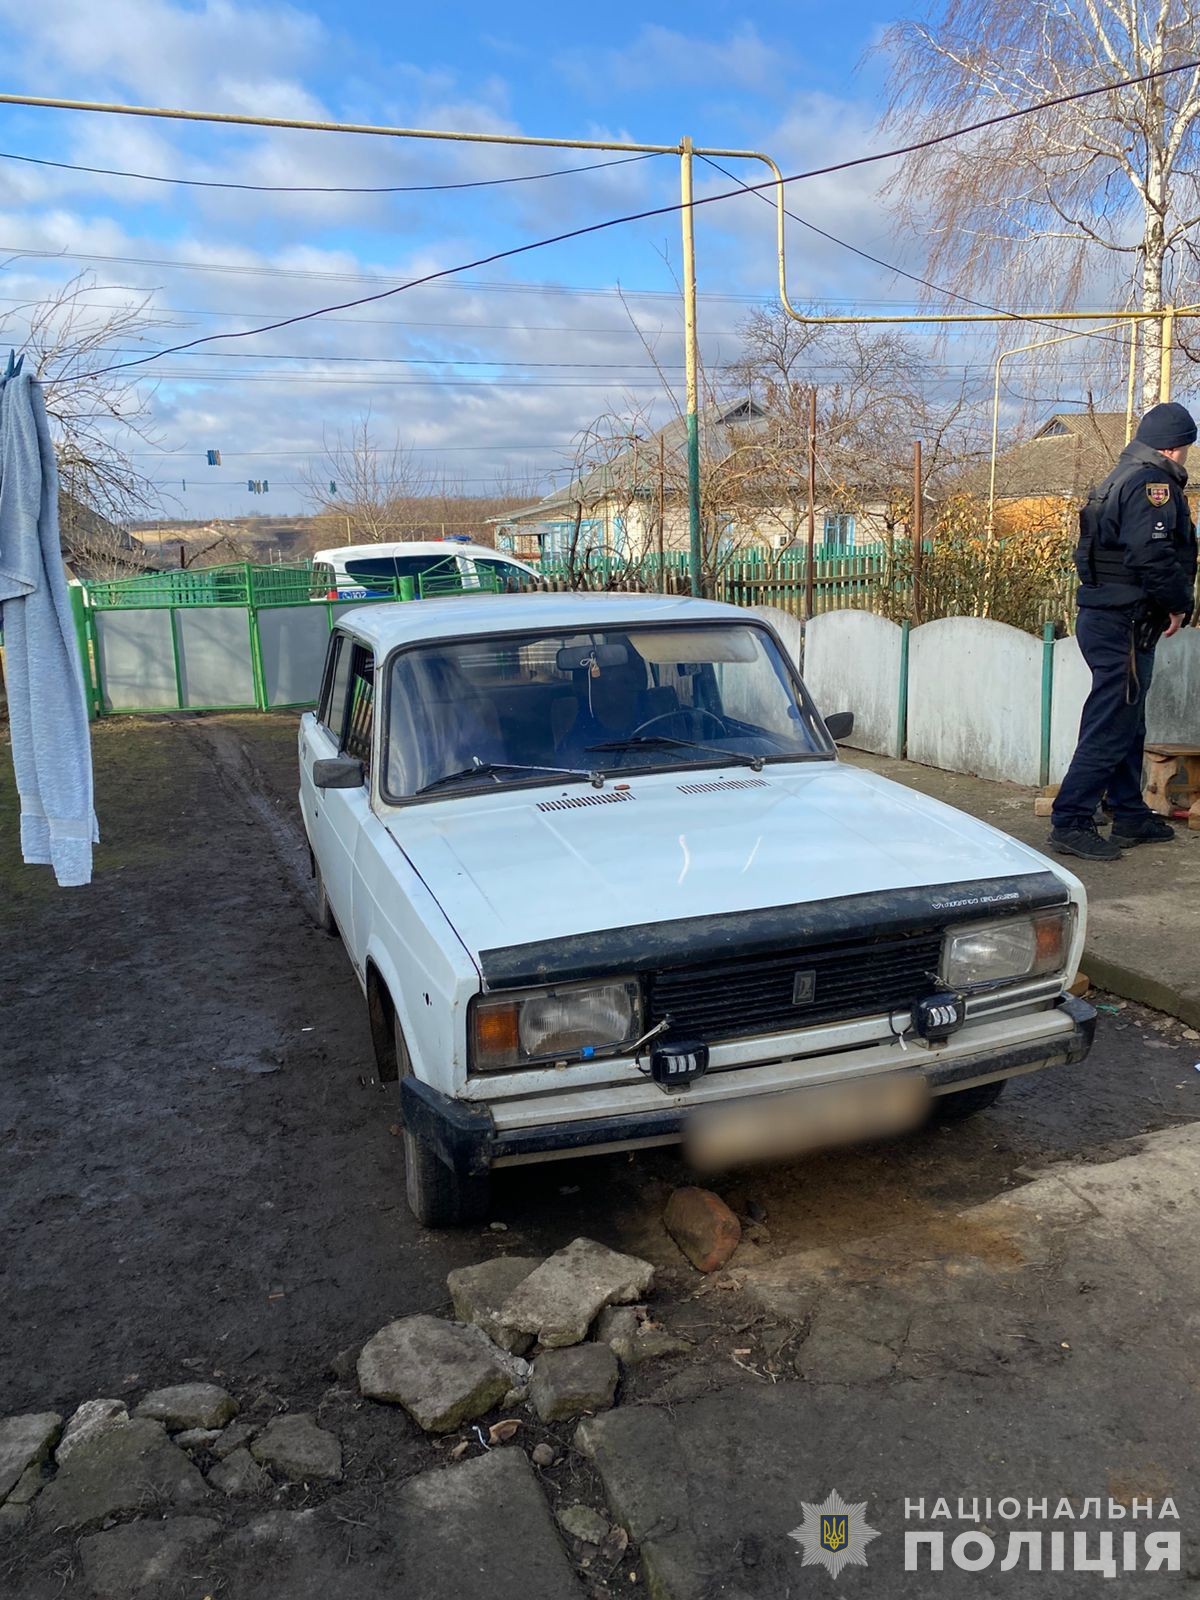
x=437, y=1196
x=963, y=1103
x=322, y=914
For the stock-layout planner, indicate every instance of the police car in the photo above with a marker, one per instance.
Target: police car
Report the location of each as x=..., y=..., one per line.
x=360, y=571
x=606, y=885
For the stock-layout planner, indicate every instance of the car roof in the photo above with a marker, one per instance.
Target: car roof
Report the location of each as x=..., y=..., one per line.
x=416, y=547
x=388, y=623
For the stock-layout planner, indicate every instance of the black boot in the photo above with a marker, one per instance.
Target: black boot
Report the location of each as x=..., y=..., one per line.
x=1082, y=839
x=1150, y=829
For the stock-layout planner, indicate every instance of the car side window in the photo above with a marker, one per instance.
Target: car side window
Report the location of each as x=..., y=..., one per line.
x=331, y=709
x=357, y=742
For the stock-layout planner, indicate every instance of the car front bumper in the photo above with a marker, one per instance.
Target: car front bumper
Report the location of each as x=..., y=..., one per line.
x=472, y=1137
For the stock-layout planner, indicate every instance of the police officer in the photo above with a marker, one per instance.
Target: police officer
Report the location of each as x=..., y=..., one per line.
x=1136, y=561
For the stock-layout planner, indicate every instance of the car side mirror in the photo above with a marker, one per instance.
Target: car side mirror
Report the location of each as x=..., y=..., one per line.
x=338, y=772
x=840, y=725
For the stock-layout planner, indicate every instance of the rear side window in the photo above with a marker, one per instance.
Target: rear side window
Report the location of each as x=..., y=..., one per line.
x=360, y=721
x=324, y=579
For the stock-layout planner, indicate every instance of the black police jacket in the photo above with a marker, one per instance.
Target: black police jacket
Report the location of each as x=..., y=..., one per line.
x=1137, y=540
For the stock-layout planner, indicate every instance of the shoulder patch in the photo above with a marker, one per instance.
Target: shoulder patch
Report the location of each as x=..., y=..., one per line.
x=1158, y=493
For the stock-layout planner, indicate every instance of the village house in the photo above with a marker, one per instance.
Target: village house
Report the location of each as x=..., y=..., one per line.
x=753, y=497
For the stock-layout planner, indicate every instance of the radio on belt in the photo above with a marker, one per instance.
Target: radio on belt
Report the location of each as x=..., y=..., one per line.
x=675, y=1064
x=939, y=1015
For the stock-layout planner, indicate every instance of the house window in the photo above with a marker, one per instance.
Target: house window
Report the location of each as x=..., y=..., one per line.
x=839, y=530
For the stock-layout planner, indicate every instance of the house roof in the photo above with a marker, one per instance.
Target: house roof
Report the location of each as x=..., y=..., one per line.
x=94, y=547
x=1068, y=453
x=635, y=469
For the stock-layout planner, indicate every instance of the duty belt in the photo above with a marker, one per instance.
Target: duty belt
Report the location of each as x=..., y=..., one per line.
x=1108, y=566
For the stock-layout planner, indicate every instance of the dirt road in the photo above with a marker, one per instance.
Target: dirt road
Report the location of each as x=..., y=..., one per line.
x=199, y=1177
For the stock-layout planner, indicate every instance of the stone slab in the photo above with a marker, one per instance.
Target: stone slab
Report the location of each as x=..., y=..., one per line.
x=126, y=1561
x=296, y=1448
x=24, y=1441
x=119, y=1470
x=559, y=1300
x=189, y=1405
x=568, y=1382
x=480, y=1291
x=442, y=1373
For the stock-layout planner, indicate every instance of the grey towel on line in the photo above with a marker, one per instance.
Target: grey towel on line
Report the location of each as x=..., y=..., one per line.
x=51, y=747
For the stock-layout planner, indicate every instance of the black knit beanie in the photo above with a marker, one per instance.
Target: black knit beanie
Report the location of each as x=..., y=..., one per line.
x=1166, y=427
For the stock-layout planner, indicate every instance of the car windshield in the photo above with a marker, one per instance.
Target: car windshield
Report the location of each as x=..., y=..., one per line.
x=611, y=701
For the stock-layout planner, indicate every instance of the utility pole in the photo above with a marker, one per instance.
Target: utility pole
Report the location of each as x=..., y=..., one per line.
x=917, y=530
x=809, y=588
x=662, y=513
x=692, y=358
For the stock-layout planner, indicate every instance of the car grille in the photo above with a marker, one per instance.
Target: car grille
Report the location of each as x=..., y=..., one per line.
x=743, y=996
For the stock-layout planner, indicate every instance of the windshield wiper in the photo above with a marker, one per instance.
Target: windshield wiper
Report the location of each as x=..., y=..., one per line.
x=662, y=741
x=495, y=769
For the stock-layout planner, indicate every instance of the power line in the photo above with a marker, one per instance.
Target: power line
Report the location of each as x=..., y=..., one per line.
x=283, y=188
x=657, y=211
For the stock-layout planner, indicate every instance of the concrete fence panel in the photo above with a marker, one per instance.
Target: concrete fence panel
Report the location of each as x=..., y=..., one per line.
x=789, y=628
x=1173, y=706
x=1072, y=681
x=852, y=663
x=974, y=698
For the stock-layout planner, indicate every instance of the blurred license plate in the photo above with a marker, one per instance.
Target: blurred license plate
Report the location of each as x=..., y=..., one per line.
x=774, y=1126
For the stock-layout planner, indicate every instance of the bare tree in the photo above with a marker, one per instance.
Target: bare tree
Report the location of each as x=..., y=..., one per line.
x=68, y=344
x=361, y=482
x=873, y=399
x=1051, y=203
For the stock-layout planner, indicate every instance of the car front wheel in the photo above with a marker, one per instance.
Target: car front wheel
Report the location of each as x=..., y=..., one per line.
x=437, y=1196
x=965, y=1103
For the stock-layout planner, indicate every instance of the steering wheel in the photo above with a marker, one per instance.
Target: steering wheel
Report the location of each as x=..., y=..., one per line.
x=683, y=711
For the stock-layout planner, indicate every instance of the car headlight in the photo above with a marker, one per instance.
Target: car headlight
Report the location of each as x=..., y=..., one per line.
x=1010, y=947
x=568, y=1022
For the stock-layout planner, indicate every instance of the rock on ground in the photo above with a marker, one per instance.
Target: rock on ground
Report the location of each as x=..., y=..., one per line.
x=568, y=1382
x=89, y=1419
x=633, y=1340
x=298, y=1449
x=559, y=1299
x=703, y=1227
x=24, y=1441
x=27, y=1487
x=482, y=1528
x=124, y=1561
x=478, y=1293
x=581, y=1522
x=233, y=1438
x=240, y=1474
x=440, y=1372
x=189, y=1405
x=119, y=1469
x=197, y=1438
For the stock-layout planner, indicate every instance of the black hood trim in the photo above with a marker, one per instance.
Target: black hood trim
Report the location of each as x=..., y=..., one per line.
x=658, y=946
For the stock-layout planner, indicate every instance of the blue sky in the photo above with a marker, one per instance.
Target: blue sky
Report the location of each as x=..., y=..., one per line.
x=492, y=373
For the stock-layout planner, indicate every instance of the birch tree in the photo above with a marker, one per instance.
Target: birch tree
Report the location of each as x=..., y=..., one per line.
x=1081, y=200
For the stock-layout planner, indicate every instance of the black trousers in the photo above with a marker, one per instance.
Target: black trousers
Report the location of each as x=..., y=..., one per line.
x=1112, y=729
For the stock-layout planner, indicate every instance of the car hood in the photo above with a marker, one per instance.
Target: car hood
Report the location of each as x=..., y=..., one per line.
x=508, y=872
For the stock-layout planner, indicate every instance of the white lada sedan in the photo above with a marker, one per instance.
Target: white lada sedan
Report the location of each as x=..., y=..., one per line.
x=606, y=884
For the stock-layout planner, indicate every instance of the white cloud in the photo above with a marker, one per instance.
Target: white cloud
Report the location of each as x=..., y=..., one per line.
x=660, y=57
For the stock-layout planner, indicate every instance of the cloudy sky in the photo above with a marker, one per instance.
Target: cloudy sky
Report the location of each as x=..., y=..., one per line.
x=489, y=373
